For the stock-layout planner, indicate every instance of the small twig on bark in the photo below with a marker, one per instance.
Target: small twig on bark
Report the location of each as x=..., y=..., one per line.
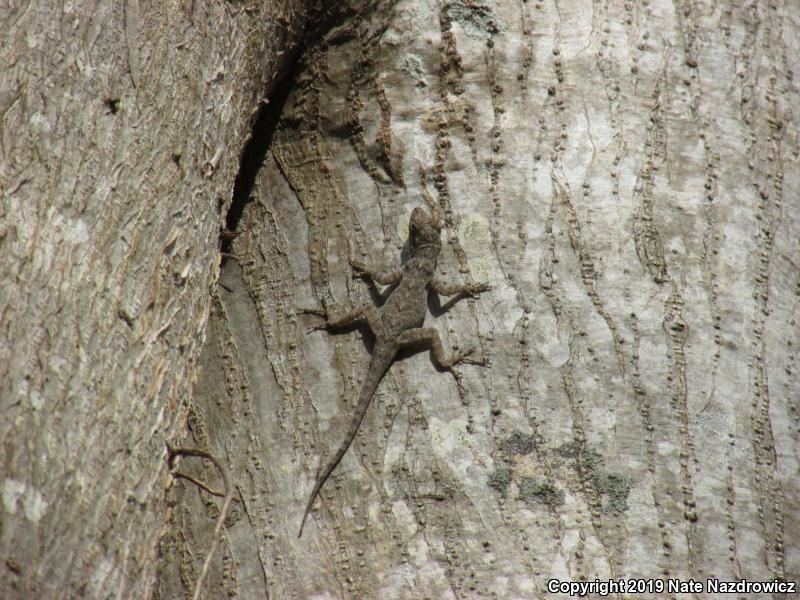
x=227, y=494
x=202, y=484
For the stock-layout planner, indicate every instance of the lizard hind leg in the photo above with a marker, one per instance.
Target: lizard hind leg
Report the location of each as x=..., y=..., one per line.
x=429, y=337
x=351, y=318
x=366, y=313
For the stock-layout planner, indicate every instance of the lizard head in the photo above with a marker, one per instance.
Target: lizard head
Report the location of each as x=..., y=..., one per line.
x=423, y=229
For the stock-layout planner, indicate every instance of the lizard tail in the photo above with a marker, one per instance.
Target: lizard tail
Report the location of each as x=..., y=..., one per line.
x=377, y=368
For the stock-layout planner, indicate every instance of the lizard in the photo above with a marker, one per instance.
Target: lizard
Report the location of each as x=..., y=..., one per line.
x=398, y=322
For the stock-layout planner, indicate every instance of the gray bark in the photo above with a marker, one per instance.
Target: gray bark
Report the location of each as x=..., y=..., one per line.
x=624, y=174
x=121, y=128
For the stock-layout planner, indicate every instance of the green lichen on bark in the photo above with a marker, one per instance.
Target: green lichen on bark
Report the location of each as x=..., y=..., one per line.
x=540, y=491
x=500, y=479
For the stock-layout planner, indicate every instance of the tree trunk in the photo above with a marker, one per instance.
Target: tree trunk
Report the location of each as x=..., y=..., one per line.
x=617, y=172
x=121, y=127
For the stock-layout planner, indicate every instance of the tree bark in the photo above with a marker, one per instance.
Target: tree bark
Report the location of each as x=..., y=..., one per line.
x=624, y=175
x=621, y=173
x=122, y=124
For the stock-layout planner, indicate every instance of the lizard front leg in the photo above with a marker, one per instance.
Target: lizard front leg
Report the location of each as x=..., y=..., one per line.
x=429, y=336
x=381, y=277
x=450, y=289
